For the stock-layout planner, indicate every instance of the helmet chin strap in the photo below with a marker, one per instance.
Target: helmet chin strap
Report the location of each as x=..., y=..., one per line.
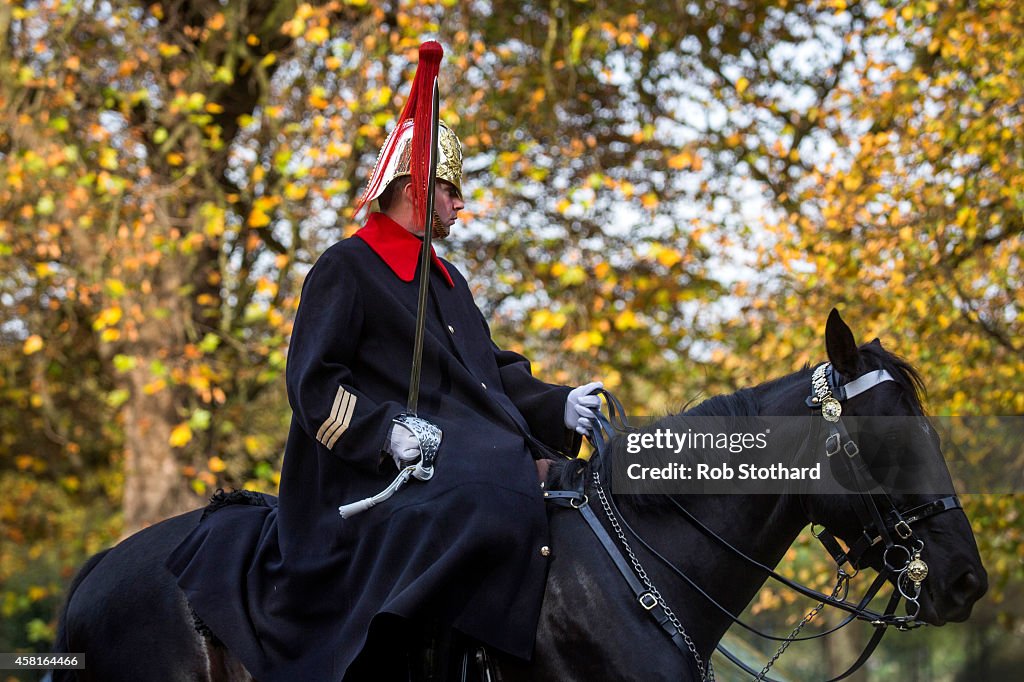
x=439, y=229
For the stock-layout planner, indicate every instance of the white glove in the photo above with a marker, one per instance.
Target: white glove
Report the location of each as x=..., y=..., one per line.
x=581, y=407
x=404, y=447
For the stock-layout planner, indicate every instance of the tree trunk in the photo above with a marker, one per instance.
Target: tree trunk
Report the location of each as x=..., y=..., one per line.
x=841, y=649
x=155, y=486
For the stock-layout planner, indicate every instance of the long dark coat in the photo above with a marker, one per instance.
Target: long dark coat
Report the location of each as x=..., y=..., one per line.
x=294, y=589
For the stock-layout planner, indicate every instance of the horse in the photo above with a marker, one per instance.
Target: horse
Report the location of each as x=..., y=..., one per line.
x=645, y=587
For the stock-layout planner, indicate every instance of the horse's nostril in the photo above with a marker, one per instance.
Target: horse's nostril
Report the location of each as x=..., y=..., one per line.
x=969, y=587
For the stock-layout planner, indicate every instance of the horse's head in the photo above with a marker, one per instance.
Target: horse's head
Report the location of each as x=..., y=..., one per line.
x=883, y=442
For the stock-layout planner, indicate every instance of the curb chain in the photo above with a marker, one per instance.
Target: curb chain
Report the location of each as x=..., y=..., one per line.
x=709, y=673
x=841, y=581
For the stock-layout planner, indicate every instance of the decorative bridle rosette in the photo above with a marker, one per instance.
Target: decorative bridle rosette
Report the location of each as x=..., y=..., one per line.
x=831, y=409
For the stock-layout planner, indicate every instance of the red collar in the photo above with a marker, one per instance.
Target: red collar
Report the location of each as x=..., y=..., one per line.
x=397, y=247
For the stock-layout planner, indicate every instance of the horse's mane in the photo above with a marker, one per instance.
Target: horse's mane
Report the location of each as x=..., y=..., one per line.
x=743, y=403
x=908, y=378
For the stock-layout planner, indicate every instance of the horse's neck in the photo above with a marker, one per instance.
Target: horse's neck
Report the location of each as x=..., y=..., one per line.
x=760, y=526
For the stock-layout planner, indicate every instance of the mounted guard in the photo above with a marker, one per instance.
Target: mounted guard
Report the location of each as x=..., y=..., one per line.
x=306, y=589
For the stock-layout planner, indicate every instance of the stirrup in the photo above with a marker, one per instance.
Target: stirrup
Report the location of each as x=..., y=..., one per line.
x=477, y=665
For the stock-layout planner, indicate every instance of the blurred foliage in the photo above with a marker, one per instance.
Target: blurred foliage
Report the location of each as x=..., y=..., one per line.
x=666, y=195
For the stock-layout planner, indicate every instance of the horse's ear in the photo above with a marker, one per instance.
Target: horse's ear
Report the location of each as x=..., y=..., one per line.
x=841, y=346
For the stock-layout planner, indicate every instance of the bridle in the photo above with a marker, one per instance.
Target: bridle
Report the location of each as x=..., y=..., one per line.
x=880, y=519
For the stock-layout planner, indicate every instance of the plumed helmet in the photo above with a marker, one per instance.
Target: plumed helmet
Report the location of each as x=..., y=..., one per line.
x=406, y=151
x=394, y=160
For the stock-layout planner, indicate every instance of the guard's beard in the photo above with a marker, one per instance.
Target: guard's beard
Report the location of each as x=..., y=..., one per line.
x=440, y=230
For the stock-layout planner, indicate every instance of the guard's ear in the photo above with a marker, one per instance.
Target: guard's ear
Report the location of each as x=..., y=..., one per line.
x=841, y=346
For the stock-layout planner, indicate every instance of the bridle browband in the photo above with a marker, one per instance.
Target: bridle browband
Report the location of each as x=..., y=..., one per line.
x=879, y=524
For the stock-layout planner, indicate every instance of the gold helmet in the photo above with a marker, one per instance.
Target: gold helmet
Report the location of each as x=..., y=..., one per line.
x=406, y=149
x=394, y=160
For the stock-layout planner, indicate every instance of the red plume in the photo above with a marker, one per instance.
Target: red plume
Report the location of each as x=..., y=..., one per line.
x=417, y=107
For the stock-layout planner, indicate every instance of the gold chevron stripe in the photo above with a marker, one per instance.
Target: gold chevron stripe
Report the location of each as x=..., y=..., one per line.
x=341, y=414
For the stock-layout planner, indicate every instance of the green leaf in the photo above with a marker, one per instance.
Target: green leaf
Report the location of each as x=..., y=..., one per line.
x=209, y=343
x=200, y=420
x=124, y=363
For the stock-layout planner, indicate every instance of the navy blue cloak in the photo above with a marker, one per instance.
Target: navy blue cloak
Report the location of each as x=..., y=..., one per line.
x=293, y=589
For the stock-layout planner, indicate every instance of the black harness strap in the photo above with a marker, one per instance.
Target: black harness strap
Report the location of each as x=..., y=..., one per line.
x=871, y=537
x=643, y=596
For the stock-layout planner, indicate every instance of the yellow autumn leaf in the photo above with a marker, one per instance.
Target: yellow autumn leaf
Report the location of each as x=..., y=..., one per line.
x=579, y=342
x=626, y=320
x=108, y=317
x=317, y=102
x=216, y=464
x=294, y=192
x=33, y=344
x=166, y=50
x=573, y=276
x=108, y=159
x=180, y=435
x=317, y=35
x=669, y=257
x=680, y=161
x=545, y=319
x=258, y=218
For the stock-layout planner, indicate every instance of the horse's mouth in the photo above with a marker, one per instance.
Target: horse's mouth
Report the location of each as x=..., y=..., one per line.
x=956, y=601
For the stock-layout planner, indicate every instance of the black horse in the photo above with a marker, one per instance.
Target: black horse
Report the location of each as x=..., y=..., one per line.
x=125, y=612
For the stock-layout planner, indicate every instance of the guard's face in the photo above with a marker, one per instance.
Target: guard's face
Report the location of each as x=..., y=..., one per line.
x=447, y=204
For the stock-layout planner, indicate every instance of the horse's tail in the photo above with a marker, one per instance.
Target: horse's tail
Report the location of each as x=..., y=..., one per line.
x=61, y=644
